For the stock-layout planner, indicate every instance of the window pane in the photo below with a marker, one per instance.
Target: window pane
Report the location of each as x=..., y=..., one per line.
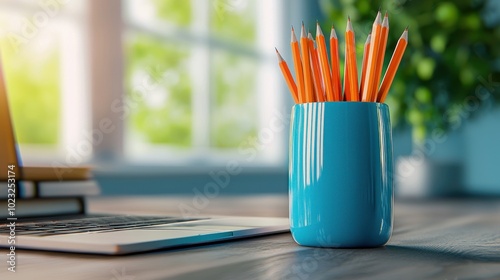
x=151, y=11
x=158, y=91
x=31, y=67
x=175, y=11
x=234, y=20
x=234, y=111
x=214, y=62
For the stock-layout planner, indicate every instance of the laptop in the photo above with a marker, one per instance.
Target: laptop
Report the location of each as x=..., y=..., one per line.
x=114, y=234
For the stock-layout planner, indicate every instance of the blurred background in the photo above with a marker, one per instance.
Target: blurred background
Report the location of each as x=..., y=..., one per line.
x=163, y=96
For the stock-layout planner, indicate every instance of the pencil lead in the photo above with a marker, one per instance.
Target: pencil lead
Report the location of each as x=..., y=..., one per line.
x=379, y=8
x=386, y=14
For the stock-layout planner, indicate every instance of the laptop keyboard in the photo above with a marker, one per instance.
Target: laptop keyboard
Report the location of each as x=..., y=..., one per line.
x=88, y=223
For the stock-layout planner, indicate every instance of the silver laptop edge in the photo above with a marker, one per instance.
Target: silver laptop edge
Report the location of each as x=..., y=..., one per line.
x=150, y=238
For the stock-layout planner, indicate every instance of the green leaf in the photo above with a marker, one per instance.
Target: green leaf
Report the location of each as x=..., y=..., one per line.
x=447, y=14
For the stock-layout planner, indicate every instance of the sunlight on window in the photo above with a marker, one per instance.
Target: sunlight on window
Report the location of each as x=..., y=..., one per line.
x=234, y=109
x=209, y=60
x=174, y=11
x=193, y=76
x=234, y=20
x=163, y=116
x=32, y=75
x=159, y=92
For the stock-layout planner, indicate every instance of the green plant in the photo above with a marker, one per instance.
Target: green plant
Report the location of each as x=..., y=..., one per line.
x=452, y=51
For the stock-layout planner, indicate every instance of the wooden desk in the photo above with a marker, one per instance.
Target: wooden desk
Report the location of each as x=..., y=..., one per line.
x=453, y=239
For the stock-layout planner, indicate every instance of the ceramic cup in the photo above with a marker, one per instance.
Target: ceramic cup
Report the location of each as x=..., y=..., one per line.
x=340, y=174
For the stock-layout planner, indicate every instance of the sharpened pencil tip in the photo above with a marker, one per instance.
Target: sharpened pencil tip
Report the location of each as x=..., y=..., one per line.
x=349, y=26
x=405, y=34
x=386, y=14
x=303, y=31
x=319, y=32
x=293, y=37
x=280, y=58
x=385, y=22
x=378, y=19
x=333, y=34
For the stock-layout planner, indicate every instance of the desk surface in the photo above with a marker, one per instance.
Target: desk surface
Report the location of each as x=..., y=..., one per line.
x=452, y=239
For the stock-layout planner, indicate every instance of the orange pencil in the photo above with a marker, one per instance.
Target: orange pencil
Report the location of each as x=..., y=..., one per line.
x=369, y=88
x=334, y=56
x=318, y=86
x=381, y=53
x=325, y=67
x=393, y=66
x=299, y=75
x=304, y=50
x=363, y=65
x=288, y=77
x=351, y=71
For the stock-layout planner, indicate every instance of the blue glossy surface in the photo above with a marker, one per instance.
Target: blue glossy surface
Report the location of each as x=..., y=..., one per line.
x=340, y=174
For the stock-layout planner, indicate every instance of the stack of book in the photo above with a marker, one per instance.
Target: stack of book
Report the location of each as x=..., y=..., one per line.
x=46, y=191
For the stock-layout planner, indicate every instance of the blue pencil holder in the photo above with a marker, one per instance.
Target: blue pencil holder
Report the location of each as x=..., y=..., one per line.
x=340, y=174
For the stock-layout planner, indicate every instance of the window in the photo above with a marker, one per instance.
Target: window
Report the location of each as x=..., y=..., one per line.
x=211, y=78
x=200, y=79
